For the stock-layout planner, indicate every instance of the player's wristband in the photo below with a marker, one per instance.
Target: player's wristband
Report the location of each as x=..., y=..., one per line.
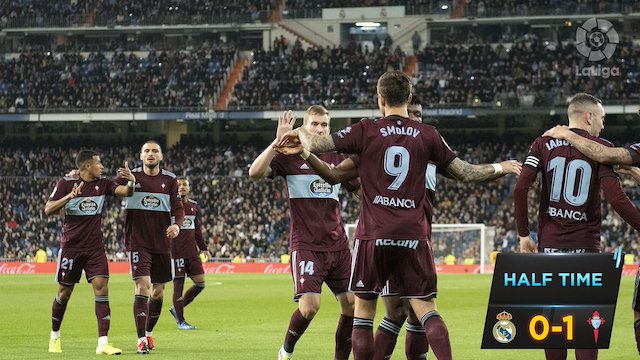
x=497, y=168
x=131, y=183
x=305, y=154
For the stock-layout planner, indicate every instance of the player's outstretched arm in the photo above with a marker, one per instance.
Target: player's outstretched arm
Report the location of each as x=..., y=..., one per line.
x=343, y=172
x=465, y=172
x=593, y=150
x=313, y=142
x=126, y=190
x=53, y=206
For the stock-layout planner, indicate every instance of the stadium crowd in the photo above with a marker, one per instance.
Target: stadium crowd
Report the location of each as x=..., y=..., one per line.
x=527, y=72
x=173, y=79
x=522, y=73
x=247, y=220
x=42, y=13
x=289, y=76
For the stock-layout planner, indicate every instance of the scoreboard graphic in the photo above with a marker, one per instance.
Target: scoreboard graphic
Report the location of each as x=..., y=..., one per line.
x=547, y=301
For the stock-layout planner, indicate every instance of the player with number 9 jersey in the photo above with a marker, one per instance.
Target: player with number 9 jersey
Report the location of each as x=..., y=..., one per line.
x=394, y=153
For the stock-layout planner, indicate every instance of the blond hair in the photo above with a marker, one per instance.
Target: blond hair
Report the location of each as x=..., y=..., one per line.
x=315, y=110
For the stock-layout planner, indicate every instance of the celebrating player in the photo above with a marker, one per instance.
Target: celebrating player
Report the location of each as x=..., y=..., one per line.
x=184, y=254
x=81, y=200
x=397, y=309
x=392, y=235
x=569, y=214
x=319, y=247
x=612, y=156
x=148, y=230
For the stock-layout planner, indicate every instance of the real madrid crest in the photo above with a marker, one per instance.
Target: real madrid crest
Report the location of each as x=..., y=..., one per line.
x=504, y=331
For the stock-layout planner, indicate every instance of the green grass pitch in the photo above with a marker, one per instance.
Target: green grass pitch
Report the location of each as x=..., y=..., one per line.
x=244, y=317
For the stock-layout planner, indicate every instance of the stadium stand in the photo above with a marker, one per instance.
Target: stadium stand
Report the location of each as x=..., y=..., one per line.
x=248, y=219
x=42, y=13
x=495, y=65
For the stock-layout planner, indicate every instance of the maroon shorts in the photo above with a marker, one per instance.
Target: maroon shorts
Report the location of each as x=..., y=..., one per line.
x=311, y=268
x=157, y=266
x=393, y=267
x=72, y=262
x=190, y=267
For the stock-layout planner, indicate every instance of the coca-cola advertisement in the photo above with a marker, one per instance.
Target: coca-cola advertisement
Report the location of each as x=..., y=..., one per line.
x=10, y=268
x=17, y=268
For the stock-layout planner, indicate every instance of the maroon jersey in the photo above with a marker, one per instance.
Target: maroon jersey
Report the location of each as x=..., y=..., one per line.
x=430, y=181
x=149, y=211
x=316, y=223
x=569, y=216
x=395, y=153
x=634, y=150
x=190, y=239
x=82, y=221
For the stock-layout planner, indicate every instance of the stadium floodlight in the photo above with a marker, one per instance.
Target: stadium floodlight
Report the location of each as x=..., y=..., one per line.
x=367, y=24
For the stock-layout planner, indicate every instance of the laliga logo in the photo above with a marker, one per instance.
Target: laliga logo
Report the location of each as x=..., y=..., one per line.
x=597, y=40
x=504, y=331
x=595, y=321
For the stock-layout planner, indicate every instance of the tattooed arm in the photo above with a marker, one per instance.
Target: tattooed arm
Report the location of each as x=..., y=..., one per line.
x=591, y=149
x=465, y=172
x=316, y=143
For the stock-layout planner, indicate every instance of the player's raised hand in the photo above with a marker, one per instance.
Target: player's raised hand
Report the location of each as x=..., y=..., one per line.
x=290, y=149
x=557, y=132
x=74, y=173
x=290, y=138
x=125, y=172
x=285, y=123
x=511, y=167
x=173, y=231
x=527, y=245
x=76, y=190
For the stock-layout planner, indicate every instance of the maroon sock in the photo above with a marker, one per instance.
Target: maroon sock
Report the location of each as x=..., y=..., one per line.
x=415, y=342
x=155, y=306
x=555, y=354
x=103, y=314
x=362, y=339
x=343, y=337
x=385, y=339
x=192, y=293
x=586, y=354
x=297, y=326
x=178, y=303
x=636, y=329
x=437, y=335
x=57, y=313
x=141, y=313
